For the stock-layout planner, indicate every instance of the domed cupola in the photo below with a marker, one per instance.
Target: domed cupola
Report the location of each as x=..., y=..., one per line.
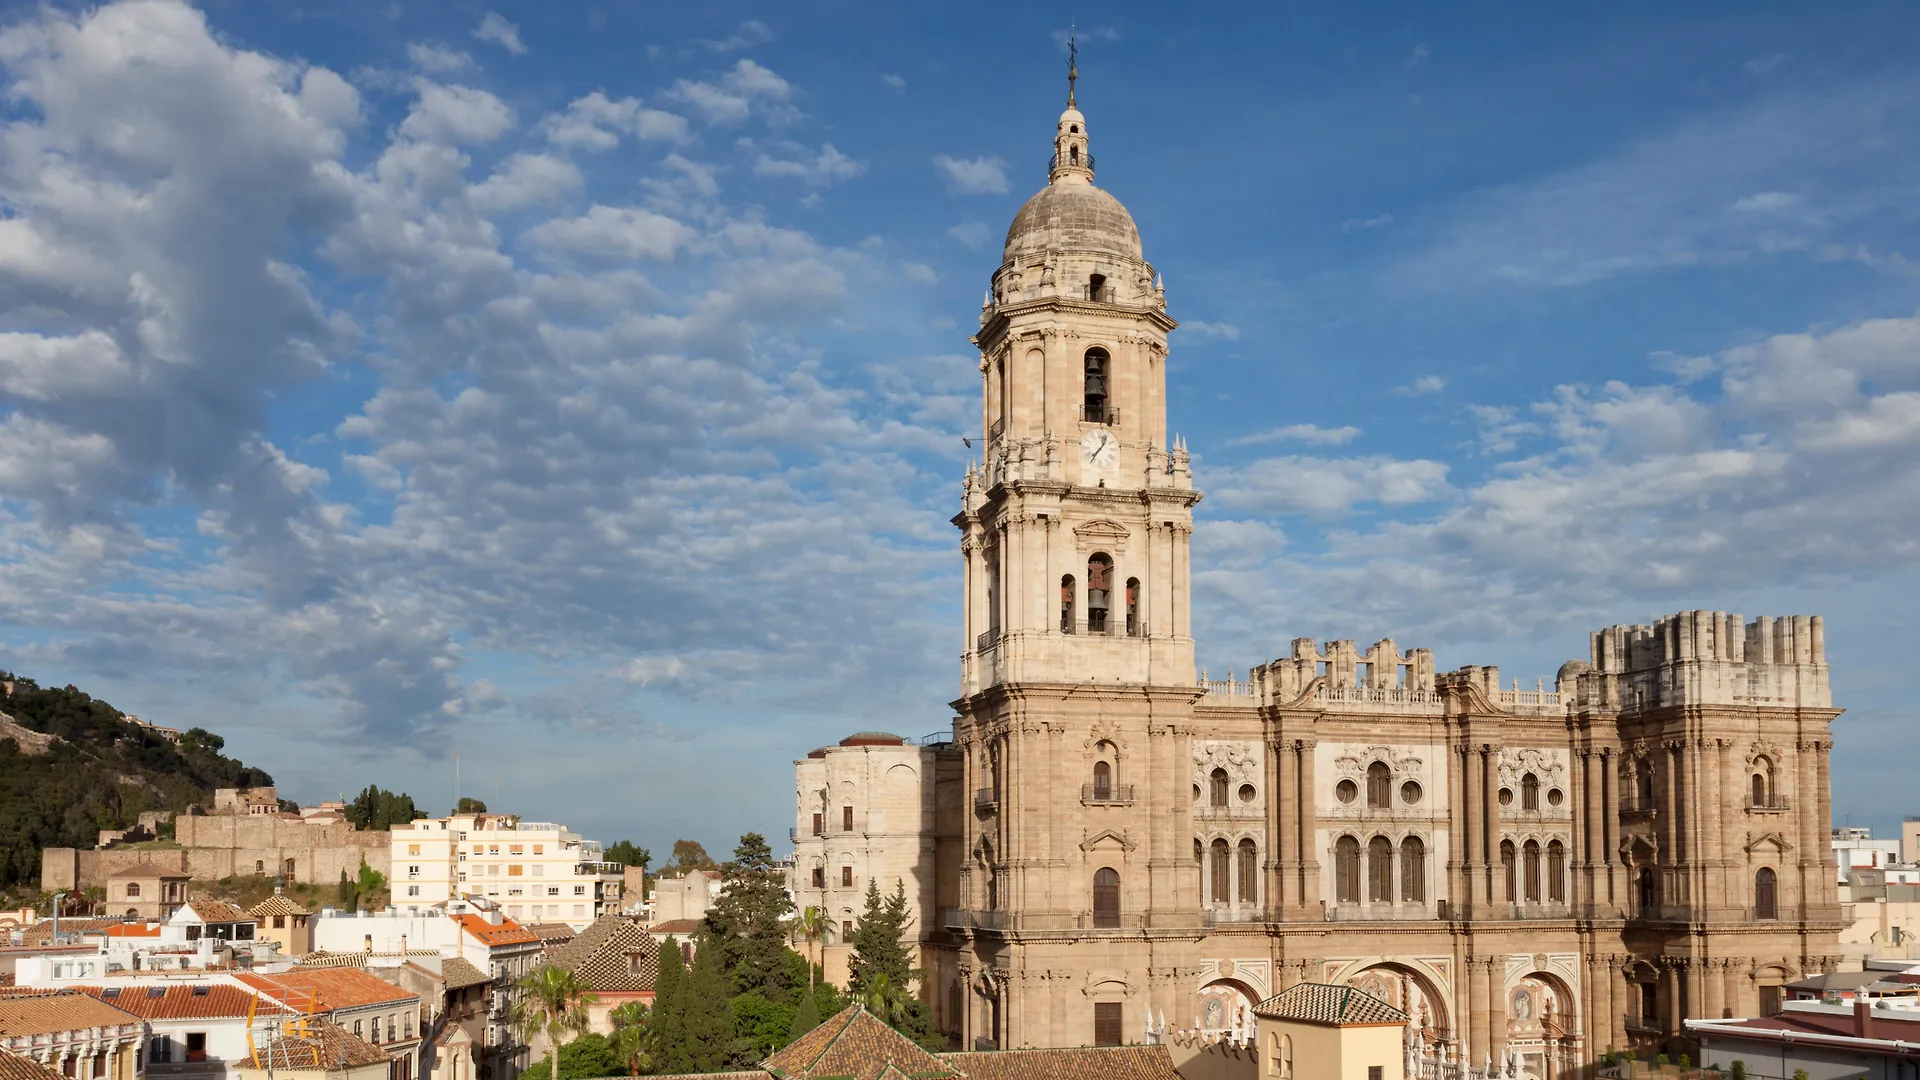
x=1070, y=215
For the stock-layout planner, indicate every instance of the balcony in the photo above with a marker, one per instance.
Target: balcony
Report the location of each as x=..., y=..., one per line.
x=986, y=640
x=964, y=919
x=986, y=801
x=1634, y=808
x=1108, y=795
x=1055, y=161
x=1104, y=415
x=1769, y=804
x=1110, y=626
x=1233, y=916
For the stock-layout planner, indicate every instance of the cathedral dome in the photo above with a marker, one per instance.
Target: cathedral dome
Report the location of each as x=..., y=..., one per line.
x=1070, y=214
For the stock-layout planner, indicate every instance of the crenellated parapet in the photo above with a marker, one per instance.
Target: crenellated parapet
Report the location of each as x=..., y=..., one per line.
x=1704, y=658
x=1344, y=666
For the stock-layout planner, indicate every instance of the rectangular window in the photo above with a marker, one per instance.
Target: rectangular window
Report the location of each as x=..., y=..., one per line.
x=553, y=890
x=819, y=877
x=66, y=1067
x=1376, y=1072
x=539, y=849
x=100, y=1063
x=516, y=849
x=579, y=890
x=413, y=871
x=413, y=890
x=279, y=922
x=493, y=849
x=356, y=1029
x=539, y=870
x=196, y=1046
x=819, y=826
x=579, y=909
x=1106, y=1025
x=513, y=870
x=846, y=876
x=160, y=1050
x=846, y=930
x=846, y=819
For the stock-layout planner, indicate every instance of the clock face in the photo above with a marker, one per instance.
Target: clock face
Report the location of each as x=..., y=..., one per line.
x=1100, y=449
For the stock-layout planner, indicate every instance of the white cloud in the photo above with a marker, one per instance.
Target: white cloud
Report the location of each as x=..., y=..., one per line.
x=737, y=92
x=526, y=180
x=972, y=235
x=1222, y=331
x=973, y=176
x=495, y=28
x=1328, y=486
x=1375, y=222
x=895, y=83
x=1419, y=55
x=751, y=33
x=437, y=59
x=596, y=122
x=1312, y=434
x=1766, y=202
x=1425, y=384
x=456, y=115
x=612, y=232
x=829, y=166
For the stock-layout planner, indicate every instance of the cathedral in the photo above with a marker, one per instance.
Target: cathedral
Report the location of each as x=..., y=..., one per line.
x=1110, y=849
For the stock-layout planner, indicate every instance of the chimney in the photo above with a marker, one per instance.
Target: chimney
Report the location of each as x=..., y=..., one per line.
x=403, y=946
x=368, y=947
x=1862, y=1015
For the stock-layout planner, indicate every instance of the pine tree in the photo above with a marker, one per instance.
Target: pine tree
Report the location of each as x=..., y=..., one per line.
x=666, y=1036
x=881, y=971
x=706, y=1019
x=805, y=1018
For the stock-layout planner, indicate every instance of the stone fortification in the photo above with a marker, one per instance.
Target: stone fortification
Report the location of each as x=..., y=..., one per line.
x=225, y=845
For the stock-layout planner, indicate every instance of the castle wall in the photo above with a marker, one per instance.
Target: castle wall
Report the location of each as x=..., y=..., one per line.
x=229, y=845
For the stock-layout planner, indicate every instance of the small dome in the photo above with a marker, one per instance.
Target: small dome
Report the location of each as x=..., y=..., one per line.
x=1572, y=669
x=1073, y=217
x=873, y=738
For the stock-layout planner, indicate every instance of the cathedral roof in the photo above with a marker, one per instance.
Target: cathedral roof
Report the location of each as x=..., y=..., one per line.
x=1070, y=214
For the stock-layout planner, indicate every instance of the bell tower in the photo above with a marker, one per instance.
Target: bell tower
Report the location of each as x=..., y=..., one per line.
x=1077, y=679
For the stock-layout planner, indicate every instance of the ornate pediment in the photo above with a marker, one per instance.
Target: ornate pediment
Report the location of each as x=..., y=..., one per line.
x=1354, y=761
x=1104, y=534
x=1765, y=841
x=1106, y=840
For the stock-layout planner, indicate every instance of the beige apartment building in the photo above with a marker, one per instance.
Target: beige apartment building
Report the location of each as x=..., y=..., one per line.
x=1533, y=876
x=534, y=870
x=867, y=812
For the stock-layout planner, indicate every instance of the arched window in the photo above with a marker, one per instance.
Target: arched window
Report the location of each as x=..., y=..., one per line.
x=1556, y=872
x=1506, y=866
x=133, y=890
x=1073, y=155
x=1066, y=604
x=1644, y=787
x=1095, y=389
x=1102, y=781
x=1379, y=785
x=1217, y=788
x=1199, y=852
x=1286, y=1056
x=1380, y=870
x=1766, y=894
x=1222, y=871
x=1106, y=898
x=1532, y=856
x=259, y=866
x=1099, y=592
x=1134, y=628
x=1529, y=792
x=1413, y=870
x=1096, y=284
x=1346, y=871
x=1249, y=872
x=1762, y=781
x=1649, y=891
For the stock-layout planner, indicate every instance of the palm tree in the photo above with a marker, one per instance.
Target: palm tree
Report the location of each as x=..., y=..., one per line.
x=630, y=1035
x=553, y=1001
x=883, y=999
x=812, y=923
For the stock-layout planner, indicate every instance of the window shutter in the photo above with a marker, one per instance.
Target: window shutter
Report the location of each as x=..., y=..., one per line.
x=1106, y=1023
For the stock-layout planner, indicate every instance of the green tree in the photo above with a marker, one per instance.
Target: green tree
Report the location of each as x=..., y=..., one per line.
x=626, y=854
x=591, y=1055
x=881, y=972
x=469, y=805
x=666, y=1040
x=811, y=924
x=1799, y=1074
x=690, y=855
x=760, y=1026
x=1739, y=1071
x=805, y=1018
x=345, y=893
x=747, y=925
x=553, y=1003
x=630, y=1036
x=377, y=809
x=706, y=1022
x=370, y=883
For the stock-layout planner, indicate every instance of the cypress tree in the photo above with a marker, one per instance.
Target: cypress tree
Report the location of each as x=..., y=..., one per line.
x=707, y=1014
x=805, y=1018
x=666, y=1035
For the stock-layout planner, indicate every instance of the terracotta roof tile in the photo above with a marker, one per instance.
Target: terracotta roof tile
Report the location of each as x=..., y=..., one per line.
x=553, y=933
x=456, y=973
x=20, y=1067
x=504, y=932
x=217, y=911
x=855, y=1044
x=1333, y=1004
x=179, y=1001
x=1080, y=1063
x=63, y=1010
x=676, y=927
x=148, y=870
x=277, y=904
x=327, y=1046
x=134, y=930
x=330, y=988
x=612, y=954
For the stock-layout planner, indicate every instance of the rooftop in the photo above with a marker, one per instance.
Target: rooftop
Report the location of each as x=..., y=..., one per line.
x=1330, y=1004
x=328, y=1047
x=331, y=987
x=180, y=1001
x=20, y=1067
x=63, y=1010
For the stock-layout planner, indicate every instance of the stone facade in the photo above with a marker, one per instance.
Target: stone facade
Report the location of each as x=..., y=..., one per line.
x=1534, y=876
x=213, y=846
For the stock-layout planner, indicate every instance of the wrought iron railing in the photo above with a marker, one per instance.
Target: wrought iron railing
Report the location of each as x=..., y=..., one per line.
x=1112, y=793
x=1056, y=161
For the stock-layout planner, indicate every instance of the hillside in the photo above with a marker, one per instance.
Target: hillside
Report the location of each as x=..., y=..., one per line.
x=71, y=765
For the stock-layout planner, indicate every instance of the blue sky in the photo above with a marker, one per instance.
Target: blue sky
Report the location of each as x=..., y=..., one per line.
x=580, y=389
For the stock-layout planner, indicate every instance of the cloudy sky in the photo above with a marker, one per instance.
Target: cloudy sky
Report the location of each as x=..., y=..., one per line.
x=578, y=388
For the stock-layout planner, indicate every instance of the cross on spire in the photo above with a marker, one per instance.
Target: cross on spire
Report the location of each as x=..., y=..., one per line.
x=1073, y=63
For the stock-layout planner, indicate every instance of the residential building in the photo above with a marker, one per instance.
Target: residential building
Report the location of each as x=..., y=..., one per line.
x=1829, y=1042
x=617, y=959
x=195, y=1030
x=1327, y=1031
x=77, y=1036
x=283, y=922
x=1856, y=848
x=320, y=1050
x=867, y=815
x=20, y=1067
x=1644, y=841
x=146, y=891
x=687, y=896
x=373, y=1009
x=535, y=870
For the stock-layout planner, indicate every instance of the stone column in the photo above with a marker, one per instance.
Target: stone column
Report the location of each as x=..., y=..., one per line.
x=1273, y=877
x=1609, y=815
x=1309, y=820
x=1617, y=998
x=1472, y=854
x=1828, y=893
x=1713, y=987
x=1589, y=831
x=1496, y=1008
x=1286, y=832
x=1730, y=987
x=1490, y=799
x=1474, y=1040
x=1807, y=808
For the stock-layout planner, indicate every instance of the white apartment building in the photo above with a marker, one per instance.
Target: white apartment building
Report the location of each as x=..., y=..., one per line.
x=1857, y=848
x=864, y=812
x=536, y=871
